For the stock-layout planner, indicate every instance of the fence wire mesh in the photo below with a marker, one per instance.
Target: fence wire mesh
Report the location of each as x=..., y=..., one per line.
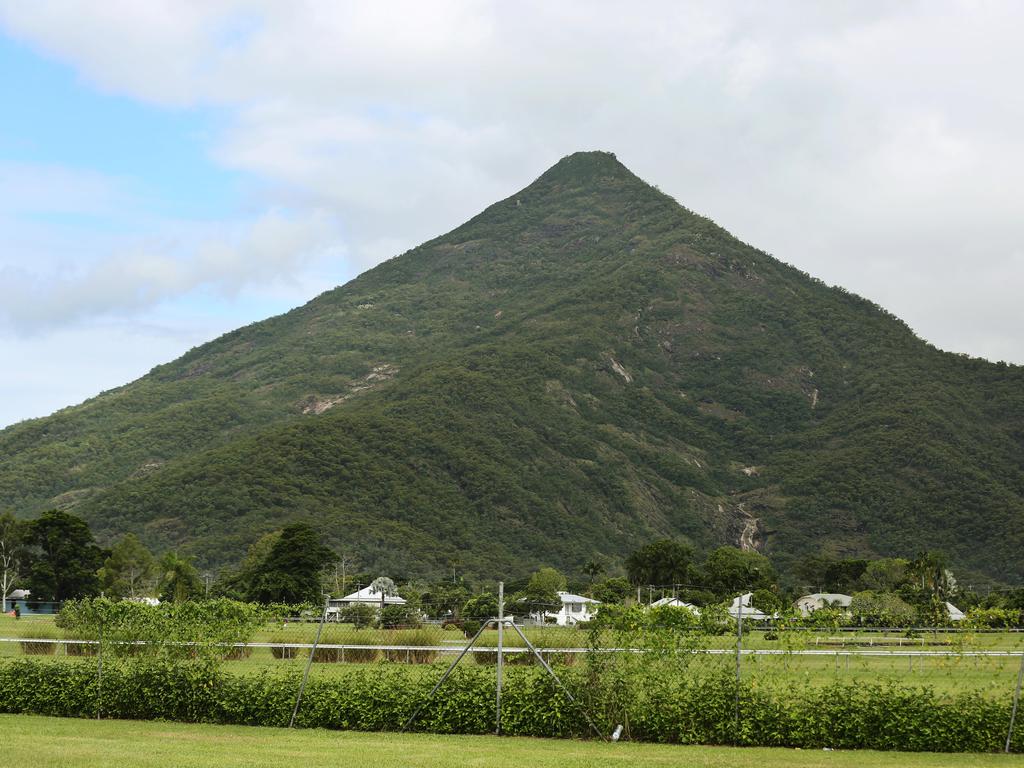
x=630, y=667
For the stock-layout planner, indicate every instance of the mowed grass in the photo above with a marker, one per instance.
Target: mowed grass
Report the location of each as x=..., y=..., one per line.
x=45, y=742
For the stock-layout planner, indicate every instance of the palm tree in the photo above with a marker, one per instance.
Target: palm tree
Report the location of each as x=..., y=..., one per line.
x=386, y=588
x=593, y=569
x=179, y=579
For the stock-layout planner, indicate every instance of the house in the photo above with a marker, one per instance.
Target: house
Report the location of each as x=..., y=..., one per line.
x=364, y=596
x=675, y=602
x=741, y=606
x=16, y=598
x=150, y=601
x=575, y=609
x=955, y=614
x=808, y=604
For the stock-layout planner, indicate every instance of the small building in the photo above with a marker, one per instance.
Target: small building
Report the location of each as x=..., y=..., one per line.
x=742, y=606
x=575, y=609
x=675, y=602
x=955, y=614
x=153, y=602
x=365, y=596
x=808, y=604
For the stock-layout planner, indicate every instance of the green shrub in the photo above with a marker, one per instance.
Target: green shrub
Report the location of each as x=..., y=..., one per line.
x=81, y=648
x=359, y=655
x=39, y=633
x=283, y=651
x=415, y=637
x=698, y=708
x=237, y=653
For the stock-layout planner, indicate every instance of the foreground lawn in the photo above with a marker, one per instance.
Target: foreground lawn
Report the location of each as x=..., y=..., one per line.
x=46, y=741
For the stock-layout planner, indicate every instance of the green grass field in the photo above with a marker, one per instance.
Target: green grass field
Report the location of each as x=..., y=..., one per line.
x=44, y=742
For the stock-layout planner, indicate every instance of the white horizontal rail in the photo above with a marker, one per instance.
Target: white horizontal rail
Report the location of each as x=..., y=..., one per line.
x=507, y=650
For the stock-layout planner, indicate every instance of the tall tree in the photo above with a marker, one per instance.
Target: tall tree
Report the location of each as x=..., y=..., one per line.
x=932, y=576
x=130, y=569
x=291, y=572
x=12, y=553
x=240, y=583
x=662, y=563
x=64, y=557
x=593, y=569
x=541, y=593
x=886, y=575
x=179, y=579
x=729, y=570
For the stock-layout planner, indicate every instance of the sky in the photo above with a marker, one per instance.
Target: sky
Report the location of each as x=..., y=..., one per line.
x=173, y=169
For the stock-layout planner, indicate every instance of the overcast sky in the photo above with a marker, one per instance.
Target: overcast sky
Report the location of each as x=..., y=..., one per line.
x=172, y=170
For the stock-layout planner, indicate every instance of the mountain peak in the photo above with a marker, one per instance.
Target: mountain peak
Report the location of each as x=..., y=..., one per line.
x=586, y=168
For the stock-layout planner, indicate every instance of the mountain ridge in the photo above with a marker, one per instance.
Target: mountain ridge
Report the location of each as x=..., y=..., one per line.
x=675, y=380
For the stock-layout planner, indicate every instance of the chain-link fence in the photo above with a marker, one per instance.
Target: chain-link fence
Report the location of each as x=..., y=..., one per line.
x=660, y=673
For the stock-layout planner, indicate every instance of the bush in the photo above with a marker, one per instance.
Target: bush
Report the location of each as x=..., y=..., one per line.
x=699, y=708
x=81, y=649
x=420, y=637
x=237, y=653
x=361, y=655
x=38, y=633
x=328, y=655
x=359, y=615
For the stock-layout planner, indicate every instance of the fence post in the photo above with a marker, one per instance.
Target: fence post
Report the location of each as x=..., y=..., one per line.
x=501, y=654
x=1016, y=701
x=739, y=658
x=309, y=662
x=99, y=673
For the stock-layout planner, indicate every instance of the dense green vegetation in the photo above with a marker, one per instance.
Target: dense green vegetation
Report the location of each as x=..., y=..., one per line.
x=581, y=369
x=656, y=705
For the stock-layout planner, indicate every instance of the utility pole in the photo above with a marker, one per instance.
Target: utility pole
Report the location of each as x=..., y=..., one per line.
x=501, y=655
x=206, y=578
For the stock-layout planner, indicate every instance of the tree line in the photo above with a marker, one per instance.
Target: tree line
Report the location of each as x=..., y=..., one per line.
x=55, y=557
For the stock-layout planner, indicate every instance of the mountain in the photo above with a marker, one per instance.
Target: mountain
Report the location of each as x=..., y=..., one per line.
x=580, y=368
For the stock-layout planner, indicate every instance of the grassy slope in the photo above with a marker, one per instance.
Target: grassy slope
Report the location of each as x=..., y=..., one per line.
x=45, y=742
x=485, y=419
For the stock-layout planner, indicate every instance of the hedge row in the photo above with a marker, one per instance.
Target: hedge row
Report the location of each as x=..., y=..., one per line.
x=692, y=710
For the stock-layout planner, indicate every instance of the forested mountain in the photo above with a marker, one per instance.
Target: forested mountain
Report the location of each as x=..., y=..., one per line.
x=581, y=368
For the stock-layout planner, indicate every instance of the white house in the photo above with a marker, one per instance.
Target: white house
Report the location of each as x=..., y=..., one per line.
x=575, y=608
x=150, y=601
x=364, y=596
x=955, y=614
x=808, y=604
x=749, y=612
x=675, y=602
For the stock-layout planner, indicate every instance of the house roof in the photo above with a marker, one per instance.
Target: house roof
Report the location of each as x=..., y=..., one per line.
x=835, y=598
x=569, y=597
x=674, y=602
x=749, y=611
x=955, y=614
x=370, y=595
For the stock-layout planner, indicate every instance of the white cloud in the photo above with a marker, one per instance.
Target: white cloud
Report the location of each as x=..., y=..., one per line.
x=139, y=274
x=872, y=144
